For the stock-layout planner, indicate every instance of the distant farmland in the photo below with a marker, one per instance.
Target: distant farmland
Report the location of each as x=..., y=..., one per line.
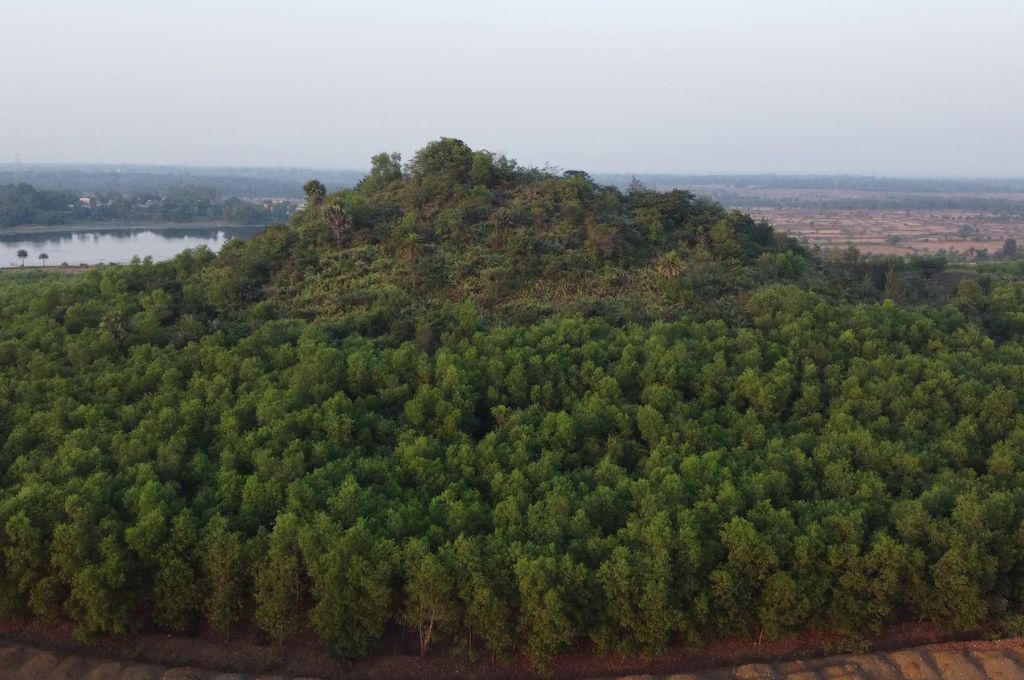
x=891, y=216
x=898, y=232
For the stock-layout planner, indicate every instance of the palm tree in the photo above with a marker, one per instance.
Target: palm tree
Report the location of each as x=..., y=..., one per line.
x=22, y=254
x=670, y=265
x=44, y=257
x=410, y=248
x=339, y=219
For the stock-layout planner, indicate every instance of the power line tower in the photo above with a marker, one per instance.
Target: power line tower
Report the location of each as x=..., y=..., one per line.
x=17, y=161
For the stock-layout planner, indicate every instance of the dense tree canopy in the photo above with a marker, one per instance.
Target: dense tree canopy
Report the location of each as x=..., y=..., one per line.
x=22, y=204
x=510, y=411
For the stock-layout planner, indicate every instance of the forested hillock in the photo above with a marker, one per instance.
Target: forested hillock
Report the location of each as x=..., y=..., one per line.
x=512, y=412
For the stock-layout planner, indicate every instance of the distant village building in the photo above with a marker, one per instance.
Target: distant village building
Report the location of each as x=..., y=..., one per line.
x=87, y=201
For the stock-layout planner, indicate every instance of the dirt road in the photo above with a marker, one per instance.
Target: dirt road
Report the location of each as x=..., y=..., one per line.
x=1000, y=660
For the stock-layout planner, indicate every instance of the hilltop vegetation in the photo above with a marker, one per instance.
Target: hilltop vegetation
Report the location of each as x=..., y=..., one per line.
x=512, y=412
x=149, y=179
x=464, y=226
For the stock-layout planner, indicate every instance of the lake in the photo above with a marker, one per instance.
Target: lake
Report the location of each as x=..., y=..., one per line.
x=107, y=246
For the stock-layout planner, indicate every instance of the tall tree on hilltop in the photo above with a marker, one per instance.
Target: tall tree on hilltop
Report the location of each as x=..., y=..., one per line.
x=315, y=192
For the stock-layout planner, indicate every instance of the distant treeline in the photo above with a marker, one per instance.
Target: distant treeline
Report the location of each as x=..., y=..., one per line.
x=22, y=204
x=999, y=206
x=825, y=192
x=287, y=182
x=820, y=182
x=241, y=182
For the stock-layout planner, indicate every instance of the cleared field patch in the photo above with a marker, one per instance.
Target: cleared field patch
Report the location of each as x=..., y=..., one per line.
x=898, y=232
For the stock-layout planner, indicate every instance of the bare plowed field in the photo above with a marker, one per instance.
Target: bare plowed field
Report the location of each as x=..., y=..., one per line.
x=897, y=232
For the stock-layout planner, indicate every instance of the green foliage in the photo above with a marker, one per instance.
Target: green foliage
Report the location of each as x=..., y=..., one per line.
x=22, y=204
x=224, y=572
x=315, y=192
x=351, y=575
x=279, y=581
x=431, y=605
x=508, y=411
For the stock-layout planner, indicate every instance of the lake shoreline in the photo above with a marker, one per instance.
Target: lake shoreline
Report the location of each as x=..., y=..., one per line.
x=103, y=244
x=120, y=226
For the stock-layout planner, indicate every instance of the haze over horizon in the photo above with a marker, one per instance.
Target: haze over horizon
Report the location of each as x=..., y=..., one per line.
x=908, y=88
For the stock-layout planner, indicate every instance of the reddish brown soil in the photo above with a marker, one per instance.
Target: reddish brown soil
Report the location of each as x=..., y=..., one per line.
x=303, y=657
x=897, y=232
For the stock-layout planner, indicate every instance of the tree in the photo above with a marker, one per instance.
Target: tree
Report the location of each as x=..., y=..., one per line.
x=486, y=608
x=279, y=582
x=544, y=621
x=339, y=219
x=22, y=254
x=176, y=596
x=482, y=170
x=385, y=168
x=927, y=265
x=670, y=265
x=410, y=248
x=223, y=569
x=1009, y=249
x=114, y=324
x=448, y=159
x=736, y=585
x=782, y=606
x=351, y=574
x=430, y=593
x=22, y=560
x=723, y=239
x=44, y=257
x=636, y=591
x=894, y=288
x=959, y=601
x=315, y=192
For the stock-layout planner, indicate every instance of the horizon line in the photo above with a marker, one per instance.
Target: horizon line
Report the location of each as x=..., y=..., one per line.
x=13, y=167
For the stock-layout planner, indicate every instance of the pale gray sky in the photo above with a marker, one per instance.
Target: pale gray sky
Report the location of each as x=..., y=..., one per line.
x=896, y=87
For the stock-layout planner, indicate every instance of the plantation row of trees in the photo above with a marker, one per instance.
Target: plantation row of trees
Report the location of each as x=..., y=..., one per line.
x=663, y=423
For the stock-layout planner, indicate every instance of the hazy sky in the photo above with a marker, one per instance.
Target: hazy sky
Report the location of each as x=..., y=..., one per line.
x=905, y=87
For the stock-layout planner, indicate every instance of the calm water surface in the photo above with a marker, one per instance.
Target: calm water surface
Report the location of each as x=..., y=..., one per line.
x=99, y=246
